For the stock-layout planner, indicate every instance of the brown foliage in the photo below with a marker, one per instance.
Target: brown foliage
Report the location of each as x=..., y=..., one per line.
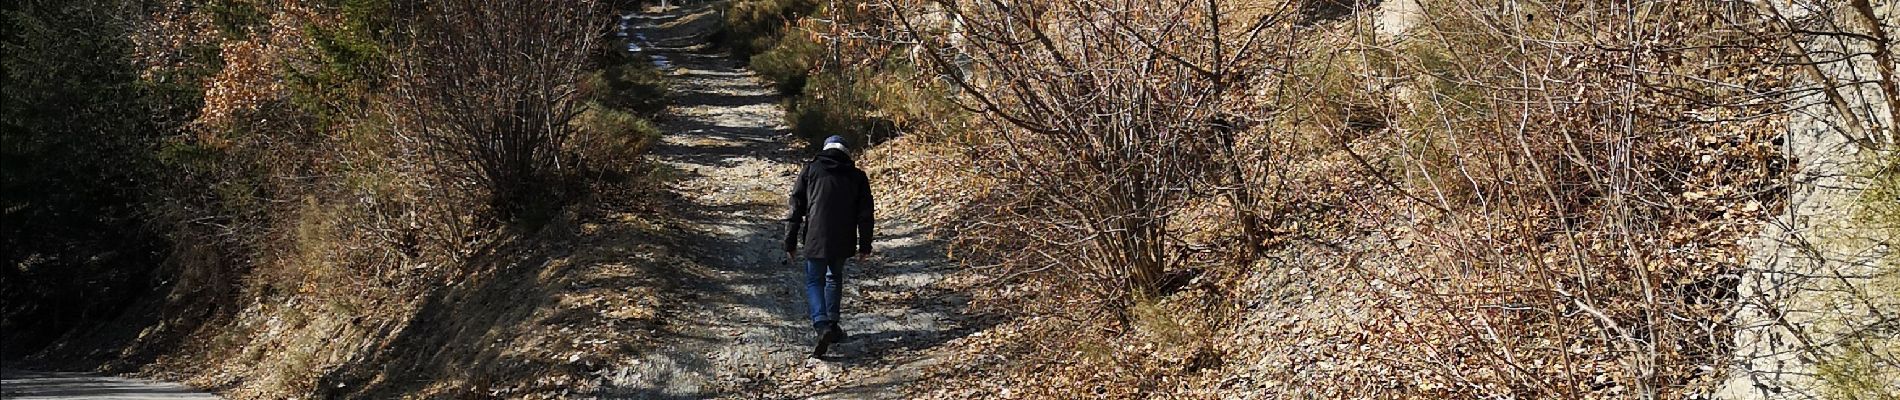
x=348, y=163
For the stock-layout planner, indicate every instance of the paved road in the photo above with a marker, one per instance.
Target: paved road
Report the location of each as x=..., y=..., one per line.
x=25, y=385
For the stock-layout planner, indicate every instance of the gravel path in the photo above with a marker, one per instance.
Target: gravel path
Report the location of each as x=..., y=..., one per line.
x=1811, y=288
x=28, y=385
x=739, y=329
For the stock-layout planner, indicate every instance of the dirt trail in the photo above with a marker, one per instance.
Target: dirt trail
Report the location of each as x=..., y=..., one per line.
x=739, y=329
x=1812, y=288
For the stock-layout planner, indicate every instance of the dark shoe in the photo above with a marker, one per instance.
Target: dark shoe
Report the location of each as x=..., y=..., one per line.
x=826, y=337
x=837, y=334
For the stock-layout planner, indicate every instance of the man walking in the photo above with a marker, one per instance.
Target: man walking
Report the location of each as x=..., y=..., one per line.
x=831, y=210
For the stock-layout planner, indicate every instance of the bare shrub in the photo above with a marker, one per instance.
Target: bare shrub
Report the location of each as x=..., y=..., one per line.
x=1586, y=173
x=1108, y=113
x=1523, y=199
x=491, y=88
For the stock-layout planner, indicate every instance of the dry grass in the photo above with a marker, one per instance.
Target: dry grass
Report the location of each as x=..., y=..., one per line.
x=320, y=251
x=1439, y=228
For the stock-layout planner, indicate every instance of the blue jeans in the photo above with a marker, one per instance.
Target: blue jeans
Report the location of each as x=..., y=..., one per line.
x=824, y=285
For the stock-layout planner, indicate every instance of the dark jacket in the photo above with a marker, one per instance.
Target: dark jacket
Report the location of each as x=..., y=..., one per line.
x=831, y=208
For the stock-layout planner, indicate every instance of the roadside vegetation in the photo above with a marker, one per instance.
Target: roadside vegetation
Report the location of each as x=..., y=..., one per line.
x=1863, y=359
x=266, y=198
x=832, y=85
x=1241, y=199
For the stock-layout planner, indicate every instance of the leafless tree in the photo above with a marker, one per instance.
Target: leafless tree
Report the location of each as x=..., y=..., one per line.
x=1113, y=111
x=1571, y=178
x=489, y=88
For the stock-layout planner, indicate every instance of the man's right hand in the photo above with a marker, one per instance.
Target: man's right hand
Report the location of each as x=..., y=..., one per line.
x=789, y=256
